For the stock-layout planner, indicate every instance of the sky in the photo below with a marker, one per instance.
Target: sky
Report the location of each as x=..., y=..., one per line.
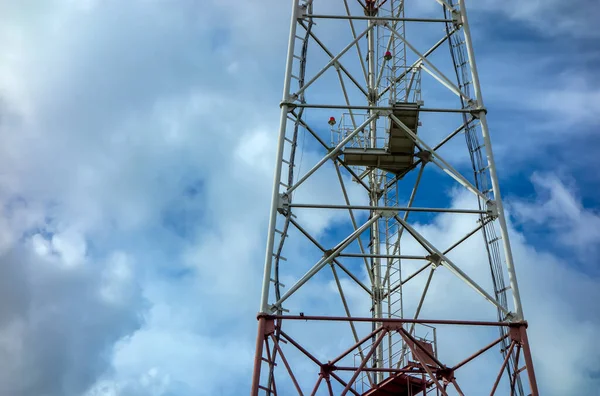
x=138, y=143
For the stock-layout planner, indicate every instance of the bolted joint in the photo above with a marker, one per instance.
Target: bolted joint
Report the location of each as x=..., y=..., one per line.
x=291, y=106
x=378, y=294
x=457, y=18
x=289, y=101
x=513, y=318
x=435, y=259
x=283, y=205
x=327, y=369
x=424, y=156
x=328, y=252
x=389, y=213
x=477, y=112
x=270, y=327
x=393, y=326
x=371, y=8
x=515, y=331
x=373, y=95
x=445, y=374
x=277, y=309
x=492, y=208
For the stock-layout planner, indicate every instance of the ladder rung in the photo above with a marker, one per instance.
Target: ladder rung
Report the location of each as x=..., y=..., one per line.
x=505, y=289
x=280, y=284
x=279, y=257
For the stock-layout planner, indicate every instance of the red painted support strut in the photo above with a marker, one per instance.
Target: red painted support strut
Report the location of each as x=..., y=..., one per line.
x=401, y=381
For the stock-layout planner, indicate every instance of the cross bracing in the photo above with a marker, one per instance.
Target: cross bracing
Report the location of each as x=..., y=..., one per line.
x=392, y=122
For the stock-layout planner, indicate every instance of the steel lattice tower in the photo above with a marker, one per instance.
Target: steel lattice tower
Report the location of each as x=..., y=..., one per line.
x=359, y=87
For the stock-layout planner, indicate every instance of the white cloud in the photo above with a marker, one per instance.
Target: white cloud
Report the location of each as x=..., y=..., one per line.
x=556, y=208
x=553, y=18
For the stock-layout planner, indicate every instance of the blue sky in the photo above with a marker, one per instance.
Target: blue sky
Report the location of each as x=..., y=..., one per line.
x=136, y=163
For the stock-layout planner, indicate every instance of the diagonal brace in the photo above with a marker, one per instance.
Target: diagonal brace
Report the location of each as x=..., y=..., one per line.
x=439, y=161
x=326, y=260
x=333, y=60
x=438, y=75
x=334, y=151
x=451, y=266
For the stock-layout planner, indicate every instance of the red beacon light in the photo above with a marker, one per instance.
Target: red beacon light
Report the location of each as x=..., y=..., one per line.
x=331, y=121
x=387, y=56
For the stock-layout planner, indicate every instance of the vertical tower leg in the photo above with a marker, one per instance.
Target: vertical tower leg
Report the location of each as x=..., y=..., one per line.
x=260, y=341
x=490, y=157
x=529, y=362
x=264, y=306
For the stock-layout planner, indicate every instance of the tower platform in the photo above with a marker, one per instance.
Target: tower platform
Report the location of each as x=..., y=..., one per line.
x=400, y=385
x=399, y=153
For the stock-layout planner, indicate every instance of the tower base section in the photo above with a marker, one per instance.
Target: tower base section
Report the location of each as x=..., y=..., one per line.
x=400, y=385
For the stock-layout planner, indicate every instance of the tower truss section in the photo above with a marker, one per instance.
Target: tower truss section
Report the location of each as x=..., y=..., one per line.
x=388, y=266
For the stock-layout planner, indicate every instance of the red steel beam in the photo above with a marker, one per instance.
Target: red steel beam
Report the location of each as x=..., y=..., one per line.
x=510, y=349
x=287, y=366
x=529, y=362
x=389, y=320
x=467, y=360
x=364, y=362
x=260, y=339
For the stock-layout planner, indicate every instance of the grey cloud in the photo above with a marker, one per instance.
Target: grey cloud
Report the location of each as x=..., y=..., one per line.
x=56, y=328
x=575, y=18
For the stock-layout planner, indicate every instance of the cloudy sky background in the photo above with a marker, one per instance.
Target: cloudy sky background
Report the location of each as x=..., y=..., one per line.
x=135, y=172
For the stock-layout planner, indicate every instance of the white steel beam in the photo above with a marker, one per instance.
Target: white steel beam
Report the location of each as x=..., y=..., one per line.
x=351, y=213
x=490, y=157
x=418, y=62
x=264, y=305
x=333, y=61
x=451, y=266
x=438, y=160
x=360, y=56
x=330, y=54
x=424, y=59
x=333, y=152
x=326, y=260
x=317, y=244
x=387, y=208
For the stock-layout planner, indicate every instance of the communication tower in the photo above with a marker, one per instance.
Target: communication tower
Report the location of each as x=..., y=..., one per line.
x=390, y=95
